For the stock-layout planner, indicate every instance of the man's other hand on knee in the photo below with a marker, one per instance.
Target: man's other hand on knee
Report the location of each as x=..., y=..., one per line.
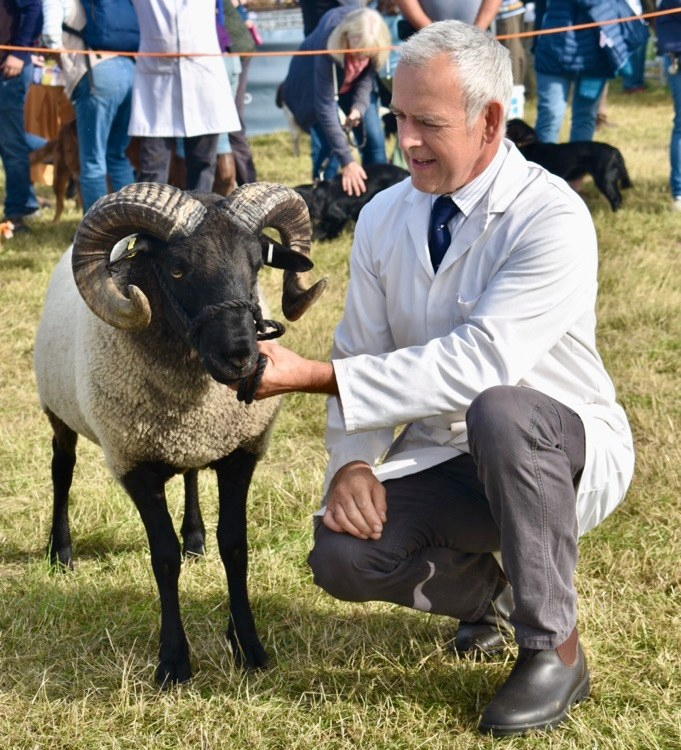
x=356, y=502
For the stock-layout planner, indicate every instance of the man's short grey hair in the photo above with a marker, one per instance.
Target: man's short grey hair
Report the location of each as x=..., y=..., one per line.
x=483, y=66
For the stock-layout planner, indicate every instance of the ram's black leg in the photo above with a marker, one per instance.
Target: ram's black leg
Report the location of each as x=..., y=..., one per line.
x=234, y=477
x=146, y=486
x=64, y=443
x=193, y=531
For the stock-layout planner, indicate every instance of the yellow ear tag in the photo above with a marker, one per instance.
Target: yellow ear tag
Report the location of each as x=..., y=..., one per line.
x=129, y=249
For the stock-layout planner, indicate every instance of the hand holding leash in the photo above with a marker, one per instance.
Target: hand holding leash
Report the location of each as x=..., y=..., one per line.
x=352, y=120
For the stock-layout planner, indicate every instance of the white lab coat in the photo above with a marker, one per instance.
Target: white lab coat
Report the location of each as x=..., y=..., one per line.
x=512, y=303
x=185, y=96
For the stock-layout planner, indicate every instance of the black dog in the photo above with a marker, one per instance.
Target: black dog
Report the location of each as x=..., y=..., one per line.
x=331, y=207
x=571, y=161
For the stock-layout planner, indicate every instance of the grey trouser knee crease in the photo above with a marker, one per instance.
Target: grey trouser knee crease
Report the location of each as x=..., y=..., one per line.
x=514, y=492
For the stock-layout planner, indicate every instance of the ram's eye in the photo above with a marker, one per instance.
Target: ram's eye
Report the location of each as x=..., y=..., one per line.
x=176, y=273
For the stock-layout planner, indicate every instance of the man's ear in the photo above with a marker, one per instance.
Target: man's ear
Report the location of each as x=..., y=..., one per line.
x=494, y=121
x=279, y=256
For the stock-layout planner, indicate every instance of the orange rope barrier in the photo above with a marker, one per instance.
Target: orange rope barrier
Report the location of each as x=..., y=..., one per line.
x=295, y=53
x=595, y=24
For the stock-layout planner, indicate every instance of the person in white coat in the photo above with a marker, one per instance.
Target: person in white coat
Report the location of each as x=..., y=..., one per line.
x=513, y=443
x=180, y=96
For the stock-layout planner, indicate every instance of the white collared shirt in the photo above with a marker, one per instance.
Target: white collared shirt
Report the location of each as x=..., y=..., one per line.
x=468, y=196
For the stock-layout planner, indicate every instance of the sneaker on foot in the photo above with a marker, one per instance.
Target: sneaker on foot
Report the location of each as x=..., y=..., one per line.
x=18, y=224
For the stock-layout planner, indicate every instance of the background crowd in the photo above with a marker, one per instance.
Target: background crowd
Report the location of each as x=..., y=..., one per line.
x=186, y=114
x=184, y=106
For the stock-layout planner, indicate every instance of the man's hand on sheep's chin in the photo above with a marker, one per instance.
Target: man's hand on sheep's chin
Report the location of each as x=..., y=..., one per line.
x=286, y=371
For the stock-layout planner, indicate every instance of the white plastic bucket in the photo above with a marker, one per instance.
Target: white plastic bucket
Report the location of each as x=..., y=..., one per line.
x=517, y=108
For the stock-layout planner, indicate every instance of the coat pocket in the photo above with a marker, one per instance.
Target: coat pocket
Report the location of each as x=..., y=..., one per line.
x=467, y=304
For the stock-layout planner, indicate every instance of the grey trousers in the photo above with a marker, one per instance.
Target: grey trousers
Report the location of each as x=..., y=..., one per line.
x=200, y=158
x=243, y=158
x=515, y=493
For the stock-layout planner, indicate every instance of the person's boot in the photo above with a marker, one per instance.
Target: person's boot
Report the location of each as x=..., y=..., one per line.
x=490, y=634
x=539, y=692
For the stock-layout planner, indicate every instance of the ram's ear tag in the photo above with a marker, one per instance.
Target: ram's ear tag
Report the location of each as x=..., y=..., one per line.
x=125, y=249
x=279, y=256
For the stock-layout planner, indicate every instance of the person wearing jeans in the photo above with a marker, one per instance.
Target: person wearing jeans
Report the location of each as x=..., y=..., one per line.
x=633, y=77
x=674, y=80
x=576, y=63
x=553, y=94
x=100, y=89
x=20, y=24
x=342, y=76
x=20, y=198
x=668, y=30
x=368, y=137
x=101, y=101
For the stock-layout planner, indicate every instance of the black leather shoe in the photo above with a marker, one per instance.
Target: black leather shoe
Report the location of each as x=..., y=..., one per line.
x=540, y=690
x=490, y=634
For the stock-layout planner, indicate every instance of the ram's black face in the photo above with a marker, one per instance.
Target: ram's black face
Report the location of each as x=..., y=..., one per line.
x=207, y=286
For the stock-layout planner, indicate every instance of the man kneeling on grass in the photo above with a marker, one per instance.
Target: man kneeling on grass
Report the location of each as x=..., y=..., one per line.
x=469, y=319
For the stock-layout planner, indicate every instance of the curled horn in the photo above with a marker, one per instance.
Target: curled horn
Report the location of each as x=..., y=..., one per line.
x=159, y=210
x=257, y=205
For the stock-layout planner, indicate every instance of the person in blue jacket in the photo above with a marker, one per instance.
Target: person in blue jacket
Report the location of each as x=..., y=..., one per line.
x=316, y=86
x=20, y=24
x=576, y=61
x=668, y=31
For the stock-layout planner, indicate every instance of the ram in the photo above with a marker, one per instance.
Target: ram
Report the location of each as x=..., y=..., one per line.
x=136, y=350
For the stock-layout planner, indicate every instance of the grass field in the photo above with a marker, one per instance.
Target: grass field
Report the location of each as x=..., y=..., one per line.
x=78, y=651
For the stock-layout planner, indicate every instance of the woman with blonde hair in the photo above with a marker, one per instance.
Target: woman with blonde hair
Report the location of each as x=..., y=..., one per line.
x=332, y=95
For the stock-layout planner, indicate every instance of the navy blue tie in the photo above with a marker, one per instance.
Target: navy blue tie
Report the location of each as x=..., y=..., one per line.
x=439, y=236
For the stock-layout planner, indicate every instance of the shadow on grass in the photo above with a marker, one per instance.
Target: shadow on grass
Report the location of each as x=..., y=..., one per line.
x=65, y=638
x=94, y=545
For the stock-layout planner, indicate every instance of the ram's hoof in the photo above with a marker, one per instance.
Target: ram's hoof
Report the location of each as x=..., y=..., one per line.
x=169, y=674
x=60, y=559
x=193, y=546
x=249, y=653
